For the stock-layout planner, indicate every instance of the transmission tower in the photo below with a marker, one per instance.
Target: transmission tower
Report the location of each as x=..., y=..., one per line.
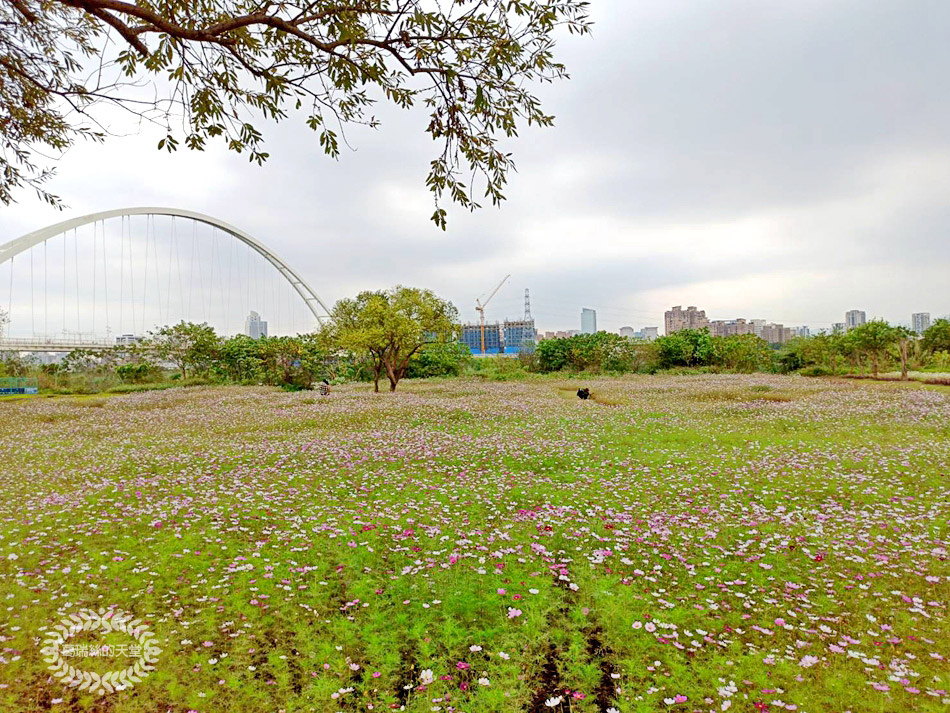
x=527, y=305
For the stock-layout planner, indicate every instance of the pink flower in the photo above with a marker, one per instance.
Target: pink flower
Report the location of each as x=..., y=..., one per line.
x=650, y=626
x=680, y=698
x=514, y=613
x=376, y=674
x=501, y=591
x=461, y=666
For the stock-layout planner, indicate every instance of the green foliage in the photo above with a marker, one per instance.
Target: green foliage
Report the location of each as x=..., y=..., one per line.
x=291, y=362
x=137, y=373
x=239, y=359
x=872, y=340
x=937, y=337
x=598, y=352
x=439, y=359
x=389, y=327
x=472, y=65
x=498, y=368
x=687, y=347
x=190, y=347
x=742, y=353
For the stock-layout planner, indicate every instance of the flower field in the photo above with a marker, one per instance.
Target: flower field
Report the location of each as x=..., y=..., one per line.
x=708, y=543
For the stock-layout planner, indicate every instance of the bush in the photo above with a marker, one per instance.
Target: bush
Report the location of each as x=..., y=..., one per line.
x=594, y=353
x=439, y=359
x=498, y=368
x=815, y=371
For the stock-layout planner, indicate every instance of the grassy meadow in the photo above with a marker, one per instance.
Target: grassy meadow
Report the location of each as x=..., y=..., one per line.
x=705, y=543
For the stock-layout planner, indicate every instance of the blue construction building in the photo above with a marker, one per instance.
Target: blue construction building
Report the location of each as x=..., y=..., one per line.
x=472, y=338
x=520, y=336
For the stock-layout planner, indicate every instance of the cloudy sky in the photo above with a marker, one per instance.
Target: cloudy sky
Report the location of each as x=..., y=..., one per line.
x=778, y=160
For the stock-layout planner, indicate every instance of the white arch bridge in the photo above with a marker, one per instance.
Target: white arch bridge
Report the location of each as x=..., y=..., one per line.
x=111, y=277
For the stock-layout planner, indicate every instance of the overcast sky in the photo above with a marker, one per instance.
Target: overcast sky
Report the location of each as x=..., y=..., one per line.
x=778, y=160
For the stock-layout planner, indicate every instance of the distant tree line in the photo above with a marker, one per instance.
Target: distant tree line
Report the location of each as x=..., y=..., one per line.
x=408, y=332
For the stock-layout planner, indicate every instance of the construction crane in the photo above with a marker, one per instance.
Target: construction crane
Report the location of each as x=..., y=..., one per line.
x=480, y=307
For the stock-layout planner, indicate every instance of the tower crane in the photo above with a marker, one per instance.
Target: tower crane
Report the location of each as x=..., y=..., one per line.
x=480, y=308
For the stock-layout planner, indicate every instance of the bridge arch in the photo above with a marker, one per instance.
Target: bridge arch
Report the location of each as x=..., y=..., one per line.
x=25, y=242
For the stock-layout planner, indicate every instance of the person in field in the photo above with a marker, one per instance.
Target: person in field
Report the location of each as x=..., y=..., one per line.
x=324, y=388
x=583, y=393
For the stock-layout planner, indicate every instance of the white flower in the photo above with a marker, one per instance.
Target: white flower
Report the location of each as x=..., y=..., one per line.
x=503, y=655
x=552, y=702
x=426, y=677
x=13, y=556
x=637, y=625
x=725, y=705
x=474, y=647
x=483, y=682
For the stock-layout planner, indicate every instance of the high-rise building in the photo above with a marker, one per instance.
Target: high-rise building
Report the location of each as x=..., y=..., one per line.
x=920, y=322
x=837, y=327
x=472, y=338
x=628, y=332
x=776, y=333
x=649, y=333
x=730, y=328
x=588, y=321
x=519, y=336
x=854, y=318
x=677, y=319
x=254, y=326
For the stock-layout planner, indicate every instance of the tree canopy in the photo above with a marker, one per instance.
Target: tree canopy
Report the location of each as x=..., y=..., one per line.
x=218, y=66
x=937, y=337
x=389, y=327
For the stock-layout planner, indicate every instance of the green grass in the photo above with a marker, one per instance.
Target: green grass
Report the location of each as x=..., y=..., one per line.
x=302, y=553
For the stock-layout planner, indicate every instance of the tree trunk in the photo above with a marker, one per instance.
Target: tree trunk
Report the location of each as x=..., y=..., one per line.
x=903, y=347
x=393, y=377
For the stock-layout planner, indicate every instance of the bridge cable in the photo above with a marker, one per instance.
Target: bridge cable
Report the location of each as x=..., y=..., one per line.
x=105, y=278
x=32, y=318
x=121, y=271
x=128, y=227
x=10, y=295
x=168, y=281
x=181, y=289
x=94, y=266
x=65, y=281
x=229, y=293
x=158, y=277
x=45, y=290
x=148, y=219
x=76, y=267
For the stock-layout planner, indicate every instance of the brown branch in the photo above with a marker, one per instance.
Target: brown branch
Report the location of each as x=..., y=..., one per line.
x=24, y=10
x=127, y=33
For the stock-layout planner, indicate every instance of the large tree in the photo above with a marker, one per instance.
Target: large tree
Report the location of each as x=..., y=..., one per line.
x=937, y=337
x=190, y=347
x=873, y=340
x=218, y=66
x=389, y=327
